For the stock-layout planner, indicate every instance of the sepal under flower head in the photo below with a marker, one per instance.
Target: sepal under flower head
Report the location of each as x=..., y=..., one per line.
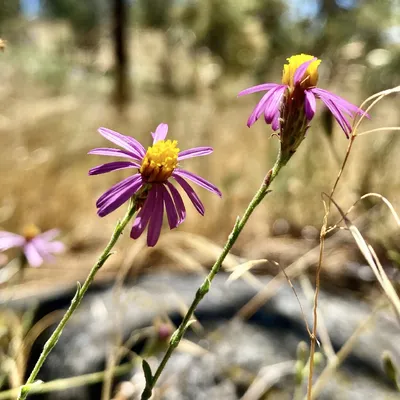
x=150, y=185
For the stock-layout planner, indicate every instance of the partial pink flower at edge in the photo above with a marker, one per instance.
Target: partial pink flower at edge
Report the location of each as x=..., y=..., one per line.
x=37, y=249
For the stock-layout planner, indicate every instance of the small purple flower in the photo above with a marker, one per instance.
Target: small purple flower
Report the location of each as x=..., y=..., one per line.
x=298, y=89
x=152, y=183
x=37, y=247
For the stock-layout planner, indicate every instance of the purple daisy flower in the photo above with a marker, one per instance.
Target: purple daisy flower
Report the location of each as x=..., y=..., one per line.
x=37, y=247
x=154, y=167
x=298, y=89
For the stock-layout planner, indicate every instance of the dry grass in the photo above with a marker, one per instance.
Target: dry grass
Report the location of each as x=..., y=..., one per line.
x=46, y=133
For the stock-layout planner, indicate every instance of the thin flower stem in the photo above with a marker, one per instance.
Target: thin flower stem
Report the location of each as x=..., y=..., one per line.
x=205, y=286
x=68, y=383
x=52, y=341
x=319, y=267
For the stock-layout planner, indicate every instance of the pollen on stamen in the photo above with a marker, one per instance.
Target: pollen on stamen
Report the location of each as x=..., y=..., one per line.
x=160, y=161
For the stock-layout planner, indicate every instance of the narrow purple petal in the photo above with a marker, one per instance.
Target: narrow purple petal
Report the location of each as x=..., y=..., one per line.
x=339, y=107
x=9, y=240
x=143, y=217
x=261, y=106
x=116, y=188
x=258, y=88
x=347, y=107
x=52, y=247
x=301, y=70
x=272, y=106
x=112, y=166
x=32, y=255
x=170, y=209
x=155, y=223
x=198, y=180
x=160, y=133
x=340, y=118
x=49, y=235
x=180, y=206
x=106, y=151
x=194, y=152
x=118, y=198
x=275, y=124
x=310, y=105
x=191, y=194
x=126, y=142
x=43, y=248
x=258, y=109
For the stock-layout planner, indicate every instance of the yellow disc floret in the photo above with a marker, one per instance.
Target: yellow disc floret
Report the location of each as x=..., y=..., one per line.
x=310, y=77
x=160, y=161
x=30, y=231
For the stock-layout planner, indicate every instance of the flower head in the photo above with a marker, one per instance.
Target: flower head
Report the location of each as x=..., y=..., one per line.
x=292, y=104
x=37, y=247
x=155, y=167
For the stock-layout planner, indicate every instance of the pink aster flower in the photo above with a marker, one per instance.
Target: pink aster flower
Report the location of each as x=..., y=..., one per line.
x=36, y=247
x=155, y=167
x=298, y=91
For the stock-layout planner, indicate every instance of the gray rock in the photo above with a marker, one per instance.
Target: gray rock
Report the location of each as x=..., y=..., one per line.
x=237, y=350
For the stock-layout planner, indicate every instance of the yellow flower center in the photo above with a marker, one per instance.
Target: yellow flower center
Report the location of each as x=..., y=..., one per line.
x=310, y=77
x=160, y=161
x=30, y=231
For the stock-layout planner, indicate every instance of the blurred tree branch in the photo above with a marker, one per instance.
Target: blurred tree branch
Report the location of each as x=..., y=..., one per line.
x=120, y=21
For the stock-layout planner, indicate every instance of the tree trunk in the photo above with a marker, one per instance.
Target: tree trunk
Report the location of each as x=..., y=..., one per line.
x=121, y=68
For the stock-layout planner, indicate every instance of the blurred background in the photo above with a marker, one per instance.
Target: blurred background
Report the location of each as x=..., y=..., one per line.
x=68, y=67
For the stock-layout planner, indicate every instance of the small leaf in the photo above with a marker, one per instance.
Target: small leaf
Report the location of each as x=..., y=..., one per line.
x=390, y=368
x=147, y=372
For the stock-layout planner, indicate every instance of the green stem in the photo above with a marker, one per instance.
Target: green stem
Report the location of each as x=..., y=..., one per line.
x=52, y=341
x=67, y=383
x=204, y=288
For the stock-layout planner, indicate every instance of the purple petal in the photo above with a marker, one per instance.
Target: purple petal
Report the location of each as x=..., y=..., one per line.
x=119, y=197
x=198, y=180
x=260, y=107
x=191, y=194
x=9, y=240
x=258, y=88
x=330, y=101
x=272, y=105
x=112, y=166
x=126, y=142
x=275, y=124
x=340, y=118
x=45, y=249
x=53, y=247
x=143, y=217
x=300, y=71
x=310, y=105
x=172, y=215
x=338, y=107
x=105, y=151
x=155, y=223
x=114, y=189
x=160, y=133
x=180, y=206
x=346, y=106
x=49, y=235
x=194, y=152
x=32, y=255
